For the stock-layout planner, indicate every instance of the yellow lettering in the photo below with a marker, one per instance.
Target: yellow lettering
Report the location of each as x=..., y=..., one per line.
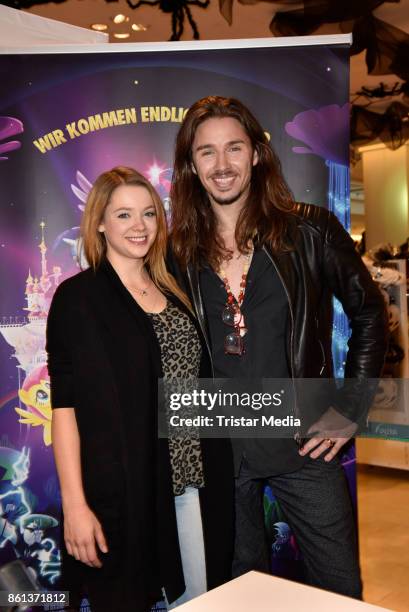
x=83, y=126
x=72, y=131
x=154, y=114
x=43, y=144
x=177, y=114
x=120, y=115
x=95, y=123
x=145, y=113
x=165, y=113
x=59, y=137
x=52, y=139
x=109, y=119
x=130, y=115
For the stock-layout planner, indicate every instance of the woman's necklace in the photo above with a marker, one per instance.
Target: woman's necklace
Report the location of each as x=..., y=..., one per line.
x=153, y=297
x=142, y=291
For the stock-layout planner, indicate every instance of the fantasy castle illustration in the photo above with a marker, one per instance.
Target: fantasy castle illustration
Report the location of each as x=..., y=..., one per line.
x=27, y=337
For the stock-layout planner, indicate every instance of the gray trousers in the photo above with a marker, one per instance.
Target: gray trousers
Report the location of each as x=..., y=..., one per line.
x=316, y=504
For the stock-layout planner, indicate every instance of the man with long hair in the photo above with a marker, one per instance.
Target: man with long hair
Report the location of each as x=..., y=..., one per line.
x=261, y=271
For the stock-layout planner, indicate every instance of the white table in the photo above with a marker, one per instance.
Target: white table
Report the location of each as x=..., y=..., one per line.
x=256, y=592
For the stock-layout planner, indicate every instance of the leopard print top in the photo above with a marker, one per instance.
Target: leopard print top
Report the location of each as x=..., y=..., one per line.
x=180, y=356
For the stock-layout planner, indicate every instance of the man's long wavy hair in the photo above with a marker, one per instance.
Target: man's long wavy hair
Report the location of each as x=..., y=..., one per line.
x=266, y=214
x=94, y=243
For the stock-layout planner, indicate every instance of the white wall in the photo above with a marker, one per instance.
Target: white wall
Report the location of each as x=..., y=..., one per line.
x=20, y=29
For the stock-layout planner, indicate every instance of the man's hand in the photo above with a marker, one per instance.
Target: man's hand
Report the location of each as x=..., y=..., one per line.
x=82, y=531
x=330, y=433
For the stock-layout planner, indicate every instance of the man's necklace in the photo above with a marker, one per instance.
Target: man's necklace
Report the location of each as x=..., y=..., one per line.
x=243, y=282
x=232, y=311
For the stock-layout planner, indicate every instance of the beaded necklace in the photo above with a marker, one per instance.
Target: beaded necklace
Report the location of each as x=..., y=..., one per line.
x=222, y=272
x=233, y=304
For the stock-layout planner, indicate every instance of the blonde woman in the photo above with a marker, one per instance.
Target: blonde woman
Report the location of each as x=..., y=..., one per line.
x=142, y=516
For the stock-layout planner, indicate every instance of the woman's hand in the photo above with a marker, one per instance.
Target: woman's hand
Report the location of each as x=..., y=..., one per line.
x=83, y=535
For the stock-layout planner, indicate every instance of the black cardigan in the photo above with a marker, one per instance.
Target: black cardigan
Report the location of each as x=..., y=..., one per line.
x=104, y=360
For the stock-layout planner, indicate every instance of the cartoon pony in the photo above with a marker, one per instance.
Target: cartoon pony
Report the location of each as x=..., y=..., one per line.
x=35, y=394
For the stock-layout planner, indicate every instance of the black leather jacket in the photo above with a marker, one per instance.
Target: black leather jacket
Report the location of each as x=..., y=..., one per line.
x=322, y=262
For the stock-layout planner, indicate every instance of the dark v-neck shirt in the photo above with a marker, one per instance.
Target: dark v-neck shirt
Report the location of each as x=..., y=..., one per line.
x=266, y=312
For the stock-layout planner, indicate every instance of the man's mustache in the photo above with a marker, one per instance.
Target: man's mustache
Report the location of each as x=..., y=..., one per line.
x=223, y=174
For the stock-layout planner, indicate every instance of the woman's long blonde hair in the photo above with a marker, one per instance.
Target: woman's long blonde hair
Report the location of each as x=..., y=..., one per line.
x=94, y=243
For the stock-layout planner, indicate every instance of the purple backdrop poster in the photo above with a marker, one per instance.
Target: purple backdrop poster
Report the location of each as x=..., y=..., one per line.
x=65, y=118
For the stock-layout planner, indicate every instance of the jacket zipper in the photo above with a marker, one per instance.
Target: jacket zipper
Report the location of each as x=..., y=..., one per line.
x=199, y=310
x=289, y=306
x=324, y=359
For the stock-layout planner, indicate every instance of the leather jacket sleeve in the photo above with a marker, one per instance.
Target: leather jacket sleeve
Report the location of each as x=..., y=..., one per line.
x=351, y=283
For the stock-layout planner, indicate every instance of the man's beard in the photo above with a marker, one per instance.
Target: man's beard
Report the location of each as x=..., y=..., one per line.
x=229, y=199
x=226, y=201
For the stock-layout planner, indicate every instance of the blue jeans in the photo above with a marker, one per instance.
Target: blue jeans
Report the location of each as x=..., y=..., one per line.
x=190, y=532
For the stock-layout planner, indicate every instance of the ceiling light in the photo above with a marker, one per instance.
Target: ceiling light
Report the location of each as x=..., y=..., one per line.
x=120, y=18
x=121, y=35
x=99, y=27
x=139, y=27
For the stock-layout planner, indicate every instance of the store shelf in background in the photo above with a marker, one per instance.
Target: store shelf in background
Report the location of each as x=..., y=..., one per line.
x=391, y=452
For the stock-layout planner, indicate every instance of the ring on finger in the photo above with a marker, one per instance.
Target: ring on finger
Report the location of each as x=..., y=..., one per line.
x=330, y=442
